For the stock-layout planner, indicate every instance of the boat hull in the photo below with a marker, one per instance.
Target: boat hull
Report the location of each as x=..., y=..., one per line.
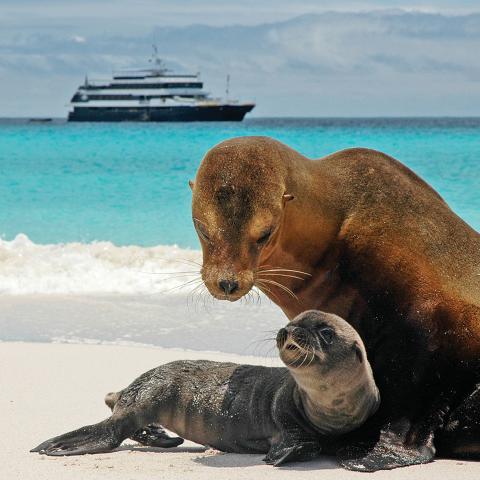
x=214, y=113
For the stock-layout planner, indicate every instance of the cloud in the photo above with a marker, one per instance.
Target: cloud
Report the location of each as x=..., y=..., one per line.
x=297, y=65
x=79, y=39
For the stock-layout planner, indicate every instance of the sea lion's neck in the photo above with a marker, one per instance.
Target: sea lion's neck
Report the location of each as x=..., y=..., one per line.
x=337, y=404
x=308, y=241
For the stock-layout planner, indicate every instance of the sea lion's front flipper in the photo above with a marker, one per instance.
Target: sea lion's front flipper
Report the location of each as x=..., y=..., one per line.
x=155, y=436
x=460, y=437
x=389, y=452
x=282, y=453
x=99, y=438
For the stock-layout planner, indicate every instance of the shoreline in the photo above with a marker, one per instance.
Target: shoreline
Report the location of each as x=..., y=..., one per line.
x=167, y=321
x=51, y=388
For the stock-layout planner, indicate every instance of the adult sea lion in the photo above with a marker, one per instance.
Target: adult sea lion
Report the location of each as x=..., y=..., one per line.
x=357, y=234
x=327, y=390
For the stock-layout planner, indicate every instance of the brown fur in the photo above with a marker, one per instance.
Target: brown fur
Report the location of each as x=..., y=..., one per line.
x=377, y=245
x=356, y=203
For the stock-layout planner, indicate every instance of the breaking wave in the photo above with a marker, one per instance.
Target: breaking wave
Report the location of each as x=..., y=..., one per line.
x=93, y=268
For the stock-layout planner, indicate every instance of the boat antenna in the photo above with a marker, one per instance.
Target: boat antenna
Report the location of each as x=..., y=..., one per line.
x=86, y=80
x=227, y=88
x=157, y=61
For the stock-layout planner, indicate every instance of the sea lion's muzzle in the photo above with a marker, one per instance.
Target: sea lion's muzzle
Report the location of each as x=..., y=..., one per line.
x=297, y=346
x=227, y=283
x=296, y=343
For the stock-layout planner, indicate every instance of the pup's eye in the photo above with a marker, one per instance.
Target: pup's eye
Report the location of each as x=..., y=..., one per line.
x=326, y=334
x=265, y=236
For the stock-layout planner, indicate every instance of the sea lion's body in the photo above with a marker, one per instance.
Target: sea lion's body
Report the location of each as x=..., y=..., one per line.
x=226, y=406
x=367, y=239
x=327, y=390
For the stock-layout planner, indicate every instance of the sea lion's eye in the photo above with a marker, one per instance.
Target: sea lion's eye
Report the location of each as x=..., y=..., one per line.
x=326, y=334
x=265, y=236
x=201, y=230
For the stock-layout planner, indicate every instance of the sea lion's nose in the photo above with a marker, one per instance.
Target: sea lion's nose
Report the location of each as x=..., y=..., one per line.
x=282, y=336
x=228, y=286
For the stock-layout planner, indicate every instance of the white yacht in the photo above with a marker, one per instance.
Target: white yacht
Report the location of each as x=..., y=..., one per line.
x=154, y=94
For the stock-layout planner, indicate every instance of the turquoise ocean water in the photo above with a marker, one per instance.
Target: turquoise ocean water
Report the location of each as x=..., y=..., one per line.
x=66, y=185
x=128, y=183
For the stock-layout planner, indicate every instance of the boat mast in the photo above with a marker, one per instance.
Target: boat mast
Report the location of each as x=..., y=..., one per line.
x=227, y=88
x=157, y=62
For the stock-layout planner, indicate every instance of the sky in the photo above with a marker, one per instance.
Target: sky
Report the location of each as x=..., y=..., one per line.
x=302, y=58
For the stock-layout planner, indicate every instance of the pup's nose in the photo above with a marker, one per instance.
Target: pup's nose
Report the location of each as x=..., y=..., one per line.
x=228, y=286
x=282, y=336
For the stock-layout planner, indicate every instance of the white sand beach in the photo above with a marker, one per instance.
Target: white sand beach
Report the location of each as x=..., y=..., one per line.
x=48, y=389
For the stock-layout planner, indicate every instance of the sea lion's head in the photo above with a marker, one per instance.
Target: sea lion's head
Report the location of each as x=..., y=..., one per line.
x=239, y=198
x=321, y=341
x=326, y=357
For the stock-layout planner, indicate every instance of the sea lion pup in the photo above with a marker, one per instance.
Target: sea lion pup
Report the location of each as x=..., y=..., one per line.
x=327, y=390
x=357, y=234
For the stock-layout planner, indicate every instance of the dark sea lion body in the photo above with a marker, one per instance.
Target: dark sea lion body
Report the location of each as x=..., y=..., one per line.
x=358, y=234
x=226, y=406
x=327, y=390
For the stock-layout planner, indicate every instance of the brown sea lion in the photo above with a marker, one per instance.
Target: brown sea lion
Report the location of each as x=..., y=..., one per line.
x=290, y=414
x=357, y=234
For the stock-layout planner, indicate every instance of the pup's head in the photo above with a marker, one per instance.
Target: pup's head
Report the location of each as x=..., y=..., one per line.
x=321, y=341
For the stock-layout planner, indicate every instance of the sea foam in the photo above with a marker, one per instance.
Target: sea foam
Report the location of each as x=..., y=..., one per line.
x=94, y=268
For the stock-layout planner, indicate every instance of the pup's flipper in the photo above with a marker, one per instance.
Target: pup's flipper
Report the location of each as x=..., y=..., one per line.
x=301, y=452
x=99, y=438
x=155, y=436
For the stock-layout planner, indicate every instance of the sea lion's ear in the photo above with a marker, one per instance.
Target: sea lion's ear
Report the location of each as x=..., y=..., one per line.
x=287, y=197
x=190, y=182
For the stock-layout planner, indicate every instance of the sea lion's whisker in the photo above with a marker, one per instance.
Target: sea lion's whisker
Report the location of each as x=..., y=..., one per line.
x=192, y=272
x=197, y=294
x=283, y=287
x=294, y=360
x=313, y=358
x=179, y=277
x=307, y=352
x=258, y=300
x=196, y=299
x=279, y=275
x=183, y=285
x=255, y=344
x=278, y=269
x=311, y=351
x=264, y=287
x=263, y=340
x=206, y=297
x=187, y=261
x=192, y=294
